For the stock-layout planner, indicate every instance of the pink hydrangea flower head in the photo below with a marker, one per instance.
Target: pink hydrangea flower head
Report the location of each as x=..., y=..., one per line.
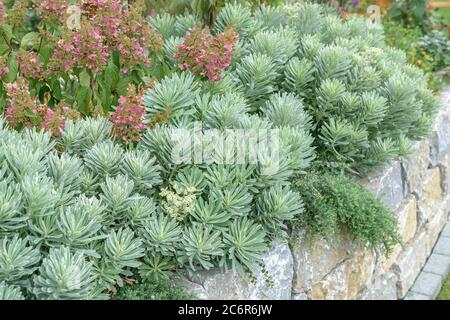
x=128, y=117
x=206, y=55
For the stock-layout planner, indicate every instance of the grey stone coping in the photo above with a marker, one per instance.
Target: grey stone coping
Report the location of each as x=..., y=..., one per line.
x=436, y=270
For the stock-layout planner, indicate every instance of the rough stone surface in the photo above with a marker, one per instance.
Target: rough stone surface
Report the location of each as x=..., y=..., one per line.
x=382, y=288
x=432, y=194
x=386, y=263
x=407, y=219
x=215, y=284
x=441, y=140
x=447, y=171
x=347, y=279
x=438, y=264
x=434, y=226
x=300, y=296
x=313, y=262
x=388, y=185
x=428, y=284
x=415, y=166
x=409, y=264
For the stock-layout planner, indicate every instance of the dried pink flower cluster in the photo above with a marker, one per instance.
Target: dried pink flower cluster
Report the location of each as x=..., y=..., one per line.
x=2, y=10
x=30, y=65
x=84, y=49
x=106, y=27
x=206, y=55
x=128, y=117
x=54, y=10
x=54, y=120
x=4, y=70
x=22, y=110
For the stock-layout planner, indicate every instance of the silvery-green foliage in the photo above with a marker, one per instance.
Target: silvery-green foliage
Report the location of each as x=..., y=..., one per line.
x=142, y=169
x=40, y=197
x=104, y=159
x=309, y=19
x=237, y=16
x=64, y=275
x=174, y=95
x=161, y=234
x=170, y=146
x=123, y=249
x=225, y=111
x=95, y=130
x=299, y=76
x=211, y=213
x=65, y=172
x=44, y=230
x=235, y=199
x=140, y=211
x=117, y=194
x=90, y=182
x=170, y=48
x=184, y=23
x=276, y=205
x=156, y=267
x=333, y=29
x=164, y=24
x=71, y=139
x=108, y=275
x=21, y=160
x=200, y=246
x=280, y=44
x=190, y=178
x=259, y=74
x=12, y=216
x=271, y=17
x=224, y=176
x=38, y=140
x=8, y=292
x=333, y=62
x=309, y=46
x=79, y=226
x=18, y=259
x=83, y=134
x=228, y=83
x=295, y=148
x=286, y=110
x=244, y=244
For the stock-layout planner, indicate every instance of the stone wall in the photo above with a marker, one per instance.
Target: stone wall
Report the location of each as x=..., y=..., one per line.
x=417, y=189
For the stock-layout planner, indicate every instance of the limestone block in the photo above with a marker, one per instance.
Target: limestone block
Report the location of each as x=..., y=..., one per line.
x=407, y=219
x=383, y=287
x=313, y=261
x=347, y=279
x=409, y=263
x=441, y=139
x=416, y=165
x=387, y=184
x=430, y=201
x=436, y=223
x=215, y=284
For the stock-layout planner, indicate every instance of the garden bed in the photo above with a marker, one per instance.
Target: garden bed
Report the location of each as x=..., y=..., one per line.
x=223, y=150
